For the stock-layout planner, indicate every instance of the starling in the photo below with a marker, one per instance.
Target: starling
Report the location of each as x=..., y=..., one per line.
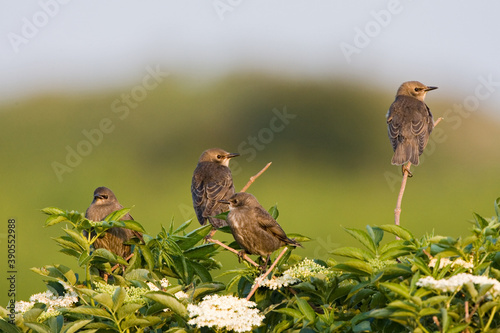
x=212, y=182
x=409, y=122
x=105, y=203
x=253, y=228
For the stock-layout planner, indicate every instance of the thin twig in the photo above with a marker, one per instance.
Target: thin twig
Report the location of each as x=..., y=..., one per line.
x=253, y=178
x=244, y=256
x=257, y=284
x=397, y=211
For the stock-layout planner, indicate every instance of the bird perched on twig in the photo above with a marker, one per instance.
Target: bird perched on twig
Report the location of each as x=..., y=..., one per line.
x=212, y=182
x=409, y=122
x=253, y=228
x=105, y=203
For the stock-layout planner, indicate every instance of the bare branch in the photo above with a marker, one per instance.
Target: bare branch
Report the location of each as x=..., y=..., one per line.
x=253, y=178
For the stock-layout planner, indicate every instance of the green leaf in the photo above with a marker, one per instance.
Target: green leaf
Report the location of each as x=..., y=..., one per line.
x=298, y=237
x=305, y=308
x=428, y=312
x=39, y=328
x=182, y=227
x=104, y=299
x=207, y=288
x=118, y=298
x=458, y=328
x=202, y=251
x=353, y=252
x=72, y=327
x=148, y=256
x=481, y=221
x=274, y=212
x=54, y=219
x=399, y=231
x=108, y=257
x=376, y=234
x=92, y=311
x=363, y=238
x=52, y=211
x=194, y=237
x=133, y=225
x=8, y=328
x=117, y=215
x=127, y=309
x=355, y=266
x=169, y=301
x=290, y=312
x=397, y=288
x=78, y=238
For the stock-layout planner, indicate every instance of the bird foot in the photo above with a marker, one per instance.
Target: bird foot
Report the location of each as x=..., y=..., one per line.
x=241, y=255
x=405, y=168
x=208, y=238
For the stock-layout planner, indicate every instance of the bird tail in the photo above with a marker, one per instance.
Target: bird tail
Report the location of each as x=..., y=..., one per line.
x=405, y=152
x=293, y=242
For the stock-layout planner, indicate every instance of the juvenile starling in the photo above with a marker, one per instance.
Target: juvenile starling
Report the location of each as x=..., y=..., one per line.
x=409, y=122
x=212, y=182
x=253, y=228
x=105, y=203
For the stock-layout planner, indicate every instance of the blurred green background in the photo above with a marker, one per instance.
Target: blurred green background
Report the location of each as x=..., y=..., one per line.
x=326, y=138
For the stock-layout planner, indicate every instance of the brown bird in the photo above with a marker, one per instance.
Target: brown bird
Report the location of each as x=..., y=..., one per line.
x=105, y=203
x=253, y=228
x=212, y=181
x=409, y=122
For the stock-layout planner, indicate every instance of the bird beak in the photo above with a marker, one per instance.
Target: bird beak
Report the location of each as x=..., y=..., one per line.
x=231, y=155
x=430, y=88
x=224, y=201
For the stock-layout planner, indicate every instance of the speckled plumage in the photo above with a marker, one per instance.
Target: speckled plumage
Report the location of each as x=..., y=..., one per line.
x=105, y=203
x=253, y=228
x=409, y=122
x=212, y=181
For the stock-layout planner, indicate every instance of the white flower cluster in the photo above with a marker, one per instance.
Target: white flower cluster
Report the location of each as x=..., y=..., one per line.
x=164, y=283
x=53, y=302
x=445, y=262
x=180, y=295
x=456, y=282
x=300, y=272
x=228, y=312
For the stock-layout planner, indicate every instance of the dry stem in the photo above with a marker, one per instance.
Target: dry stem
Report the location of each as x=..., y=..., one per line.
x=397, y=211
x=253, y=178
x=257, y=284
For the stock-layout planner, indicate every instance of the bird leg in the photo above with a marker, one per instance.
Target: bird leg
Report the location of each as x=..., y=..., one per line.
x=208, y=237
x=406, y=168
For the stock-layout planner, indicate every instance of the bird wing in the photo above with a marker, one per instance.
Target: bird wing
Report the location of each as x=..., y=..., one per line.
x=421, y=126
x=269, y=224
x=216, y=191
x=207, y=193
x=393, y=127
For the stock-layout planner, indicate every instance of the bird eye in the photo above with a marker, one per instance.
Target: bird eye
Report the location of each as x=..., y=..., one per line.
x=235, y=201
x=104, y=196
x=219, y=157
x=418, y=89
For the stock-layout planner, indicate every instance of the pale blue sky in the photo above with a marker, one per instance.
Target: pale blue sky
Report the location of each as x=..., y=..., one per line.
x=51, y=45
